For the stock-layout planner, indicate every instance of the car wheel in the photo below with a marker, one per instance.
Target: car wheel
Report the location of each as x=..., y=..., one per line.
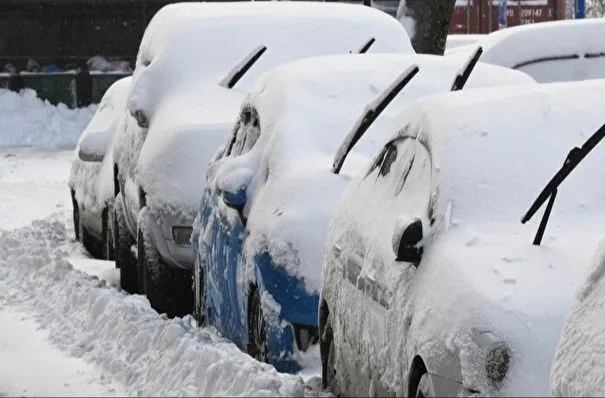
x=328, y=359
x=425, y=387
x=169, y=289
x=257, y=347
x=125, y=260
x=199, y=294
x=76, y=216
x=108, y=250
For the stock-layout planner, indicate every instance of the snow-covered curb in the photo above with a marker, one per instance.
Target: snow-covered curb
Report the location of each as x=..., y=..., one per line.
x=147, y=353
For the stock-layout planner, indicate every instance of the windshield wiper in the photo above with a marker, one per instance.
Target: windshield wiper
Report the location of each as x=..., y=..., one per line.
x=366, y=46
x=370, y=114
x=463, y=76
x=549, y=192
x=239, y=70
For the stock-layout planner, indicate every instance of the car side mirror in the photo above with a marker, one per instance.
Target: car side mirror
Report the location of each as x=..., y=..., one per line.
x=87, y=155
x=407, y=241
x=235, y=200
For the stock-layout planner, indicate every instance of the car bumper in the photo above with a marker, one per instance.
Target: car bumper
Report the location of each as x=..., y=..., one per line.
x=174, y=254
x=446, y=387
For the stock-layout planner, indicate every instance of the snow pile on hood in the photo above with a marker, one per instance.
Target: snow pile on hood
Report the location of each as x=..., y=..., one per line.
x=492, y=150
x=26, y=120
x=177, y=88
x=306, y=108
x=93, y=181
x=458, y=40
x=577, y=369
x=548, y=51
x=146, y=352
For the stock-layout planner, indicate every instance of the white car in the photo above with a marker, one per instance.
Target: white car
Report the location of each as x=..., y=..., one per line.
x=455, y=41
x=270, y=194
x=553, y=51
x=431, y=284
x=578, y=369
x=195, y=63
x=91, y=176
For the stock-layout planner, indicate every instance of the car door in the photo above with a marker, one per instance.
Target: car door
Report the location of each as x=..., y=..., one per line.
x=229, y=242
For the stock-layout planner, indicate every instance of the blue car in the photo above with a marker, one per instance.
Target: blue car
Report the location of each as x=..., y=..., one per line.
x=269, y=196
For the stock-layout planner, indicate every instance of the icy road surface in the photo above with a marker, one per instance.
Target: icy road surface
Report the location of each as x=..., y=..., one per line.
x=68, y=331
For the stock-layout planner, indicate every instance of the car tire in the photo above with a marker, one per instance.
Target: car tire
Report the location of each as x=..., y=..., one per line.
x=76, y=216
x=199, y=294
x=425, y=387
x=328, y=369
x=257, y=345
x=125, y=260
x=107, y=244
x=168, y=289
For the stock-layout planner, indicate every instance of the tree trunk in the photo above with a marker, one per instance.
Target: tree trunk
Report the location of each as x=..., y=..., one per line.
x=427, y=23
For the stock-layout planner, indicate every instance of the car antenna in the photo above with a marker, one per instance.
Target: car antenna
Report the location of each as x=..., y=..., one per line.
x=366, y=46
x=240, y=69
x=574, y=157
x=465, y=73
x=370, y=114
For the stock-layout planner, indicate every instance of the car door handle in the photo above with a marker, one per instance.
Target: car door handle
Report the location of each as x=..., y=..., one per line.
x=337, y=250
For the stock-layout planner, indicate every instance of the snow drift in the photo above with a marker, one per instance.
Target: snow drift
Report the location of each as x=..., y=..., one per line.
x=26, y=120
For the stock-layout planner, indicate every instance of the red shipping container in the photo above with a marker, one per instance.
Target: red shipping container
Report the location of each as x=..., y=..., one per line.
x=481, y=16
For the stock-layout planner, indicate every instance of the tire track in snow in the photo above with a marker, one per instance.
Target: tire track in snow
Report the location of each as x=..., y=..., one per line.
x=146, y=352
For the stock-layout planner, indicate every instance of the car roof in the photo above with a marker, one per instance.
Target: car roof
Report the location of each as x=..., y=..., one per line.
x=227, y=32
x=319, y=99
x=491, y=143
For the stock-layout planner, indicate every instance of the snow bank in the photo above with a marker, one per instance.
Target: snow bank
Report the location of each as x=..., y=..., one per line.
x=146, y=352
x=578, y=367
x=26, y=120
x=306, y=108
x=548, y=51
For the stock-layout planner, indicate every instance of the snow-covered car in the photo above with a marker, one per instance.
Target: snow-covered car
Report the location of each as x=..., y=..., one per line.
x=91, y=176
x=269, y=194
x=184, y=100
x=553, y=51
x=578, y=369
x=431, y=284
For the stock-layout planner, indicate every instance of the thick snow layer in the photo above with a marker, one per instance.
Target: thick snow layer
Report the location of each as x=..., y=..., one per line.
x=92, y=182
x=548, y=51
x=26, y=120
x=492, y=151
x=121, y=334
x=577, y=369
x=306, y=108
x=177, y=88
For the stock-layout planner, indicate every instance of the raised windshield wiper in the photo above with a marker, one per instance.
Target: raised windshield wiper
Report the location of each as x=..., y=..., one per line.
x=370, y=114
x=462, y=77
x=239, y=70
x=366, y=46
x=549, y=192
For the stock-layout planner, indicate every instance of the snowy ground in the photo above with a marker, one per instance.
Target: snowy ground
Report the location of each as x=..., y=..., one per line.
x=66, y=329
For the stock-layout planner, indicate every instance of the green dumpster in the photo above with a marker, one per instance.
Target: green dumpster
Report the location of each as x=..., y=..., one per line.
x=55, y=87
x=101, y=81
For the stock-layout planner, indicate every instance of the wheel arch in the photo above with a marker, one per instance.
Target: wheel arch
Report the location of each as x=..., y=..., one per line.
x=417, y=369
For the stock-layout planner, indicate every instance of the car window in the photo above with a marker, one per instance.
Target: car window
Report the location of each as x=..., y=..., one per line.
x=247, y=133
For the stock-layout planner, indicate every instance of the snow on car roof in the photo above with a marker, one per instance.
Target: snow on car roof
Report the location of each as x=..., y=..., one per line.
x=199, y=43
x=518, y=138
x=548, y=51
x=322, y=97
x=308, y=107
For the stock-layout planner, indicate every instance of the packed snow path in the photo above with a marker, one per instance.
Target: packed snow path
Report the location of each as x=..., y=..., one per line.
x=66, y=332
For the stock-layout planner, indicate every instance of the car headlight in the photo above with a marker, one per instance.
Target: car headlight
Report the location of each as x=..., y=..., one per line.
x=182, y=235
x=497, y=362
